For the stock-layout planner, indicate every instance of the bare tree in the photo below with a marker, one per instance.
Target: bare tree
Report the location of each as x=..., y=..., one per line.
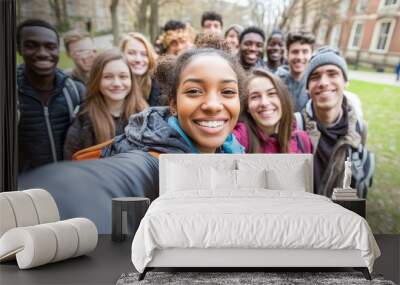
x=287, y=14
x=60, y=10
x=325, y=18
x=145, y=15
x=65, y=17
x=303, y=14
x=142, y=22
x=153, y=27
x=114, y=21
x=55, y=6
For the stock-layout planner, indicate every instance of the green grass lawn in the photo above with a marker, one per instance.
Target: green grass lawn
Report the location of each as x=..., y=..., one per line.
x=370, y=69
x=381, y=107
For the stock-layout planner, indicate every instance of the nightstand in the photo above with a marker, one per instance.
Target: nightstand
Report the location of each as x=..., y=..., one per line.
x=127, y=212
x=356, y=205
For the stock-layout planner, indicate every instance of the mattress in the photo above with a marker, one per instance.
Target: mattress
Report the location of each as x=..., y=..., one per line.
x=251, y=219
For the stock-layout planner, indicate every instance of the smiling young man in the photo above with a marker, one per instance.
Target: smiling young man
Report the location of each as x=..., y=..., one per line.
x=329, y=118
x=211, y=22
x=48, y=98
x=80, y=48
x=251, y=44
x=275, y=51
x=299, y=47
x=177, y=37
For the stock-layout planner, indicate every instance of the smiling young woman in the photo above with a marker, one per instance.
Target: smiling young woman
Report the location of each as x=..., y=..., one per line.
x=204, y=90
x=266, y=124
x=142, y=61
x=112, y=95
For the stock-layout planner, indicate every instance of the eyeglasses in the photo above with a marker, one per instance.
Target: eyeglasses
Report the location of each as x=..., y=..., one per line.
x=82, y=53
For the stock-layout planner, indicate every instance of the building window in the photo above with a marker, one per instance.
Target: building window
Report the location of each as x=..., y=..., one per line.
x=335, y=36
x=322, y=34
x=362, y=6
x=382, y=34
x=389, y=2
x=356, y=34
x=344, y=7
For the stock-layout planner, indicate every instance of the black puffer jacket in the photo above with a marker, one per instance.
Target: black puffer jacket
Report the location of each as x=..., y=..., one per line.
x=42, y=129
x=81, y=134
x=154, y=98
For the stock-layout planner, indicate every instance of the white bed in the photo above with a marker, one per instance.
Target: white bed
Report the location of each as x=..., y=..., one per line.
x=247, y=211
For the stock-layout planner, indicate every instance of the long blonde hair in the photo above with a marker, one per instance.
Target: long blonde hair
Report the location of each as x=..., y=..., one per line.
x=144, y=80
x=96, y=106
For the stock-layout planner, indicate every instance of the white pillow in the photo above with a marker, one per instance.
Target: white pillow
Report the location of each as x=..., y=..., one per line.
x=251, y=178
x=223, y=179
x=291, y=179
x=188, y=177
x=226, y=179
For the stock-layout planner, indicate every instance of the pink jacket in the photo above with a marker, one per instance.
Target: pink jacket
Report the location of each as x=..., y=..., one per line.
x=270, y=144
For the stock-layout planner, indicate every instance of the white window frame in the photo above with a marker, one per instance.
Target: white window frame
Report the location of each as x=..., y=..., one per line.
x=344, y=7
x=321, y=35
x=358, y=7
x=336, y=34
x=352, y=35
x=382, y=5
x=376, y=35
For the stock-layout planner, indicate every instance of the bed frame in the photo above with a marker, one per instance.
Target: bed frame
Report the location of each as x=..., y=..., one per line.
x=250, y=258
x=246, y=259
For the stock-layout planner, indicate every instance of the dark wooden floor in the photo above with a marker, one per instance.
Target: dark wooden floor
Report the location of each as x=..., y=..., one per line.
x=110, y=260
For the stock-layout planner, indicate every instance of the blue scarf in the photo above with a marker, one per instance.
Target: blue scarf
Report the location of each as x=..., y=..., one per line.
x=231, y=145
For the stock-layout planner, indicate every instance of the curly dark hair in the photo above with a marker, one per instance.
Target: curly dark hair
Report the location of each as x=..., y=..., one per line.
x=211, y=16
x=173, y=25
x=169, y=69
x=252, y=29
x=163, y=76
x=276, y=33
x=211, y=40
x=303, y=37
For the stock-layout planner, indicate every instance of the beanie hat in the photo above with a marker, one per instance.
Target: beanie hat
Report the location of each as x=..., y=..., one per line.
x=324, y=56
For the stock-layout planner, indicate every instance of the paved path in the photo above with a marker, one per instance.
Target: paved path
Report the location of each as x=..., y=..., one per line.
x=376, y=77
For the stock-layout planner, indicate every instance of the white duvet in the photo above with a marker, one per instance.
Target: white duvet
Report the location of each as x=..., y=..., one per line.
x=253, y=218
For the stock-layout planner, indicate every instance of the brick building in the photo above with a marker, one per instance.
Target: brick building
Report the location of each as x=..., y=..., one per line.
x=366, y=31
x=371, y=35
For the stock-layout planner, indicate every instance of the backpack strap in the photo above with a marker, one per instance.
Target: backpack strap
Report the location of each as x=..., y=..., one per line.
x=299, y=120
x=72, y=85
x=362, y=129
x=73, y=107
x=70, y=105
x=300, y=143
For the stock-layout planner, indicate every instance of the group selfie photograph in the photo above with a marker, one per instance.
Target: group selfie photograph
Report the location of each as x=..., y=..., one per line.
x=200, y=142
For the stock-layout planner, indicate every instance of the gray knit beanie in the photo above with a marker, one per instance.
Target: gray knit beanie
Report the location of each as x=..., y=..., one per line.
x=323, y=56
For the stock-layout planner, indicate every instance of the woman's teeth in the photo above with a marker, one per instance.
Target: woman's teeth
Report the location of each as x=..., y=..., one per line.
x=267, y=113
x=211, y=124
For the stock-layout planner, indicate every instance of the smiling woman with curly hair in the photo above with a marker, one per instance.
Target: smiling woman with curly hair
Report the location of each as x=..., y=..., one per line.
x=205, y=88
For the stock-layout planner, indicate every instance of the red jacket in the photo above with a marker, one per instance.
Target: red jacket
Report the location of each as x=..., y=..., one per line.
x=299, y=142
